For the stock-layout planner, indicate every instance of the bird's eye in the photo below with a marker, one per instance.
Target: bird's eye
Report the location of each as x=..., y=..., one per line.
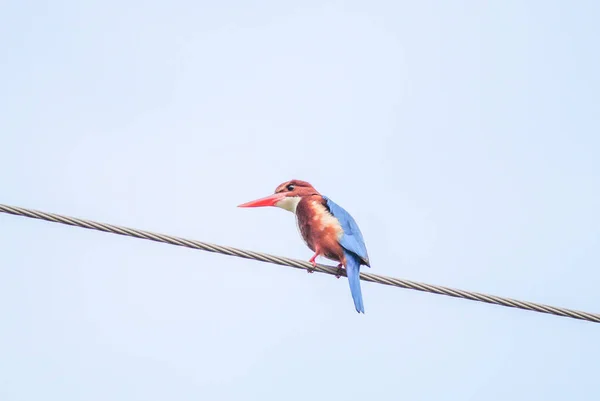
x=291, y=187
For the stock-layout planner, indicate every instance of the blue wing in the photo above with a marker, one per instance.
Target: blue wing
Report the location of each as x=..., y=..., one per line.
x=352, y=239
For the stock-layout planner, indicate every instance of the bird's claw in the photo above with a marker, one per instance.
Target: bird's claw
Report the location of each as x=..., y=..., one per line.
x=312, y=270
x=340, y=270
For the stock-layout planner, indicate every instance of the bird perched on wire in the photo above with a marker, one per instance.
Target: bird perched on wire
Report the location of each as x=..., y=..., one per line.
x=327, y=229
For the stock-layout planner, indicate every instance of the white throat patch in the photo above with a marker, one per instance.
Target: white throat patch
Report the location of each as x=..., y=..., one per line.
x=289, y=203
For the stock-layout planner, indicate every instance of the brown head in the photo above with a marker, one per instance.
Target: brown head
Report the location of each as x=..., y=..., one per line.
x=286, y=196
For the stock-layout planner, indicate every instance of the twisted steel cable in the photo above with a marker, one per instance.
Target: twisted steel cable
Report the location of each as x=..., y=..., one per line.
x=299, y=264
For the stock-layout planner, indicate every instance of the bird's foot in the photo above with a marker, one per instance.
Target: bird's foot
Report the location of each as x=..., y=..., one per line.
x=340, y=270
x=313, y=262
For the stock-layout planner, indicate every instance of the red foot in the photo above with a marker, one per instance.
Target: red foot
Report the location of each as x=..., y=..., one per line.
x=312, y=260
x=340, y=270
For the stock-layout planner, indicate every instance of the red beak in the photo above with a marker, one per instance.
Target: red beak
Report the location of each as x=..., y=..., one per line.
x=270, y=200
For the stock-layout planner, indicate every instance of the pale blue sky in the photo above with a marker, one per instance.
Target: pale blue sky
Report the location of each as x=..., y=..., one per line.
x=462, y=136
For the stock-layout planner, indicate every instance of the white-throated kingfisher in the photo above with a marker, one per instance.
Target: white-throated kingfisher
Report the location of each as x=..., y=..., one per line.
x=327, y=229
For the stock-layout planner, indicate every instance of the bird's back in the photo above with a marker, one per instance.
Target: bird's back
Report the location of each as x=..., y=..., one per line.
x=351, y=239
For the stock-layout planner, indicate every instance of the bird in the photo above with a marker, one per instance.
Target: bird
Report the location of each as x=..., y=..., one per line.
x=326, y=228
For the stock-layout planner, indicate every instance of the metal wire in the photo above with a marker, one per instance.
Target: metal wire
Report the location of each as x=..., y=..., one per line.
x=299, y=264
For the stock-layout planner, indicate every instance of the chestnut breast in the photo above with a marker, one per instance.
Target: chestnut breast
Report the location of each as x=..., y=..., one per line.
x=318, y=227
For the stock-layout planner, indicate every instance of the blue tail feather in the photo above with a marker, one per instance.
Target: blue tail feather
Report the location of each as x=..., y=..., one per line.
x=353, y=273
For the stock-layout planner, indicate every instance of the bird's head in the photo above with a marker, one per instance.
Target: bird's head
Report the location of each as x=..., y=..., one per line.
x=286, y=196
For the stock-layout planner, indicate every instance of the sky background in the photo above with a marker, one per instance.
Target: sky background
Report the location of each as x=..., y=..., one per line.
x=462, y=136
